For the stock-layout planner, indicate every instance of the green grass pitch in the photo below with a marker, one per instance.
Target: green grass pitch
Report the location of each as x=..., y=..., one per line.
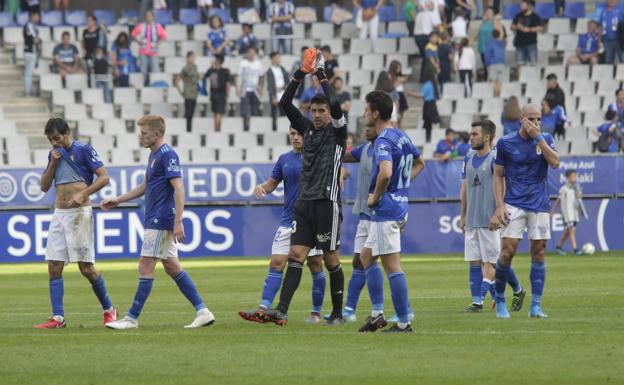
x=581, y=343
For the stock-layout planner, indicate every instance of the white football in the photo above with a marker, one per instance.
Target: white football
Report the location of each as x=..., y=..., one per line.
x=589, y=249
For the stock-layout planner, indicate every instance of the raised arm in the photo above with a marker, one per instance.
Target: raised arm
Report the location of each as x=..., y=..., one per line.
x=48, y=175
x=551, y=156
x=297, y=120
x=334, y=105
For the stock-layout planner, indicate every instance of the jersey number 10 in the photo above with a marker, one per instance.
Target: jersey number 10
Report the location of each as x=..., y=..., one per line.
x=405, y=171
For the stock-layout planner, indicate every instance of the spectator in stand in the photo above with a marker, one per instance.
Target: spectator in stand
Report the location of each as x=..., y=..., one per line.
x=429, y=92
x=494, y=59
x=350, y=141
x=331, y=64
x=464, y=144
x=219, y=78
x=32, y=45
x=588, y=49
x=246, y=40
x=250, y=85
x=409, y=13
x=148, y=34
x=467, y=5
x=485, y=35
x=124, y=63
x=343, y=96
x=367, y=19
x=618, y=108
x=459, y=25
x=310, y=92
x=218, y=41
x=608, y=133
x=527, y=25
x=93, y=37
x=553, y=118
x=31, y=6
x=204, y=6
x=282, y=14
x=432, y=61
x=101, y=66
x=66, y=57
x=554, y=92
x=425, y=23
x=447, y=147
x=466, y=63
x=398, y=80
x=189, y=77
x=610, y=18
x=61, y=5
x=446, y=53
x=510, y=117
x=277, y=79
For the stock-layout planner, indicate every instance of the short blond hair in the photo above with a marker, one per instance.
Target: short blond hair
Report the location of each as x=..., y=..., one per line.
x=153, y=122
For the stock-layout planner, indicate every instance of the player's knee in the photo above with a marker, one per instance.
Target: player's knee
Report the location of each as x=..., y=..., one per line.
x=315, y=264
x=55, y=269
x=172, y=269
x=277, y=264
x=357, y=263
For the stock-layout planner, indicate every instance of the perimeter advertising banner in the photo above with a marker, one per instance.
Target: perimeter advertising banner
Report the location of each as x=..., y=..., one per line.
x=249, y=231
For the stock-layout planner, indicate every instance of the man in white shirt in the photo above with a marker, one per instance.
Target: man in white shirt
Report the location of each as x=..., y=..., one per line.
x=425, y=23
x=250, y=85
x=277, y=78
x=569, y=197
x=459, y=25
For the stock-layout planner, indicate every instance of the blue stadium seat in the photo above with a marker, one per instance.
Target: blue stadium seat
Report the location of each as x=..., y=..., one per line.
x=6, y=20
x=105, y=16
x=511, y=10
x=387, y=13
x=131, y=14
x=224, y=14
x=545, y=10
x=52, y=18
x=190, y=16
x=22, y=18
x=163, y=16
x=327, y=13
x=76, y=18
x=574, y=10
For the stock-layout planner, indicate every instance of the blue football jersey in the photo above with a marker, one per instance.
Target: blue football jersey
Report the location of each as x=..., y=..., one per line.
x=288, y=170
x=85, y=160
x=392, y=144
x=163, y=165
x=526, y=172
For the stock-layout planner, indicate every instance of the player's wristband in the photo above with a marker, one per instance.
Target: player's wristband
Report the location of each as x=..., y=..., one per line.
x=299, y=75
x=320, y=74
x=539, y=138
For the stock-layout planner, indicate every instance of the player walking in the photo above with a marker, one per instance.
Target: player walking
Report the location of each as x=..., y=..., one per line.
x=482, y=245
x=164, y=205
x=317, y=215
x=521, y=193
x=288, y=170
x=396, y=161
x=71, y=166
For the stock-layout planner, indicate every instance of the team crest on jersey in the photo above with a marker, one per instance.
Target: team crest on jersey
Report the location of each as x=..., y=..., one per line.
x=538, y=150
x=476, y=181
x=382, y=149
x=173, y=167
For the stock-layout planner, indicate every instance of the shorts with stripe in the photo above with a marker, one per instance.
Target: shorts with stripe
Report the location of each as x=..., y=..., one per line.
x=159, y=244
x=385, y=237
x=316, y=224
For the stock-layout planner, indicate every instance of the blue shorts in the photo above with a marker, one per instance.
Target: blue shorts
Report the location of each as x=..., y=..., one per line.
x=526, y=55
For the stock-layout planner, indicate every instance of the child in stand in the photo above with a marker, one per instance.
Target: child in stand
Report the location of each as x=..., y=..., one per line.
x=101, y=76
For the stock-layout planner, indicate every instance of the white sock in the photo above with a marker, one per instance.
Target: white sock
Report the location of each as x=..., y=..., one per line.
x=375, y=313
x=58, y=318
x=403, y=325
x=203, y=311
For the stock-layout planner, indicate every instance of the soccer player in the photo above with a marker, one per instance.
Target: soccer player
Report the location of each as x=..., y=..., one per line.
x=288, y=170
x=521, y=193
x=71, y=167
x=396, y=161
x=317, y=215
x=164, y=205
x=482, y=245
x=569, y=197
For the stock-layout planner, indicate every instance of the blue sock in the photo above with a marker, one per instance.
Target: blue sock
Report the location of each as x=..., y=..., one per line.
x=272, y=284
x=513, y=281
x=538, y=277
x=374, y=281
x=142, y=292
x=475, y=278
x=99, y=288
x=57, y=289
x=356, y=284
x=485, y=287
x=398, y=289
x=187, y=287
x=318, y=291
x=502, y=273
